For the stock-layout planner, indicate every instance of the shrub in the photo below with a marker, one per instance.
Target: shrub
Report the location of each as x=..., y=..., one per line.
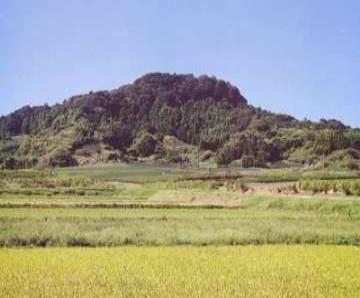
x=145, y=145
x=294, y=188
x=346, y=188
x=356, y=188
x=352, y=165
x=215, y=185
x=335, y=187
x=84, y=152
x=305, y=185
x=60, y=158
x=114, y=156
x=315, y=189
x=326, y=187
x=206, y=155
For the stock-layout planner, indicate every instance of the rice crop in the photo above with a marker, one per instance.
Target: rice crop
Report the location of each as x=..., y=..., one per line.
x=261, y=271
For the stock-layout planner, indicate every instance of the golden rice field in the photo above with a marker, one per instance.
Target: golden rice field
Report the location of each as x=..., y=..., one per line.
x=247, y=271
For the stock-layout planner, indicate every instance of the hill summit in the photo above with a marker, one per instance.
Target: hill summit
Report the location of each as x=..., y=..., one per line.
x=169, y=118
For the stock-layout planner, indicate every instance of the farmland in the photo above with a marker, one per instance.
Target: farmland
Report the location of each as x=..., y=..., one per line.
x=259, y=220
x=262, y=271
x=129, y=231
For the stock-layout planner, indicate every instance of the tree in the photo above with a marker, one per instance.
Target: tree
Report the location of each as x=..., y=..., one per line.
x=117, y=135
x=145, y=145
x=327, y=141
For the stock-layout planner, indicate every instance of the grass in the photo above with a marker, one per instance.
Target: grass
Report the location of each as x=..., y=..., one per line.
x=262, y=271
x=170, y=217
x=150, y=196
x=142, y=173
x=259, y=220
x=67, y=188
x=125, y=173
x=94, y=212
x=292, y=175
x=106, y=185
x=348, y=187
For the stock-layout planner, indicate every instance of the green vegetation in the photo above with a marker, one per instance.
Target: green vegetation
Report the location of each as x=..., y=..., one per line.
x=349, y=187
x=263, y=271
x=127, y=173
x=288, y=175
x=163, y=208
x=135, y=122
x=95, y=206
x=162, y=165
x=134, y=186
x=257, y=220
x=142, y=173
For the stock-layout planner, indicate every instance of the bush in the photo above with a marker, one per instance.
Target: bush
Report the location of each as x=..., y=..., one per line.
x=114, y=156
x=215, y=185
x=294, y=188
x=206, y=155
x=84, y=152
x=356, y=188
x=335, y=187
x=346, y=188
x=60, y=158
x=326, y=187
x=352, y=165
x=145, y=145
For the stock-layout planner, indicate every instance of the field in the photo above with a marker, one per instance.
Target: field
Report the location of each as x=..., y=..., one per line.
x=262, y=271
x=131, y=231
x=258, y=220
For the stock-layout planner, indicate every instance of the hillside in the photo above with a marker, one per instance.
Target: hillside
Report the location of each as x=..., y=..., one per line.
x=165, y=118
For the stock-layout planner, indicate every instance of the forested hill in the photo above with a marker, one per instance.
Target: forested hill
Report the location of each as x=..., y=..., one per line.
x=166, y=118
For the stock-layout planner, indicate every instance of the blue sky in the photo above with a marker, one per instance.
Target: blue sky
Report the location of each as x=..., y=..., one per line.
x=296, y=57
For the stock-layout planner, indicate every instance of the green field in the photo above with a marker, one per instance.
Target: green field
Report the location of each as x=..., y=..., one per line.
x=142, y=173
x=110, y=186
x=262, y=271
x=128, y=173
x=258, y=220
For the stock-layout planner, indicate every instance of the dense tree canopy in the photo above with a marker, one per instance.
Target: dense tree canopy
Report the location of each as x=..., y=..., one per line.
x=200, y=111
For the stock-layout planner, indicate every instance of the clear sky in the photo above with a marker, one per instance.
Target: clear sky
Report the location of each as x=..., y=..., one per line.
x=296, y=57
